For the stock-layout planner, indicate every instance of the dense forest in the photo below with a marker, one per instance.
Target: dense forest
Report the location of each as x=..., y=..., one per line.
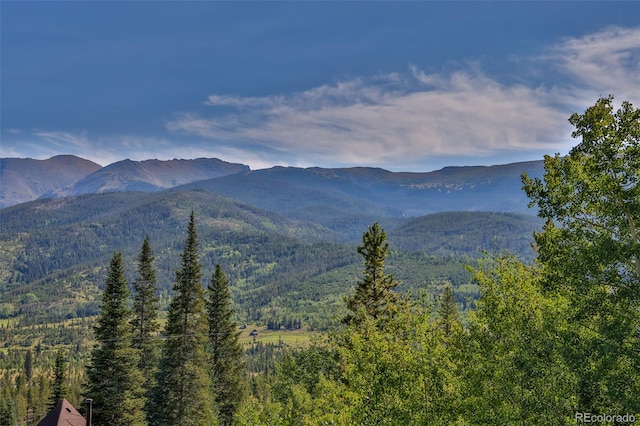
x=482, y=337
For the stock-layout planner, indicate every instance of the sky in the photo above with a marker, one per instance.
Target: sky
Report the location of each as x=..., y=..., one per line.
x=406, y=86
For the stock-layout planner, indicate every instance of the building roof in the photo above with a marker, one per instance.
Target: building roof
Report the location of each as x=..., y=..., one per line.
x=63, y=415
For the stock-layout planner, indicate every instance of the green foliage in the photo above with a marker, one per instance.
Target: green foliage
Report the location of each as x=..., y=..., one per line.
x=30, y=399
x=28, y=366
x=374, y=296
x=590, y=251
x=227, y=363
x=145, y=318
x=183, y=394
x=467, y=234
x=8, y=415
x=512, y=369
x=403, y=373
x=115, y=383
x=59, y=390
x=448, y=317
x=262, y=358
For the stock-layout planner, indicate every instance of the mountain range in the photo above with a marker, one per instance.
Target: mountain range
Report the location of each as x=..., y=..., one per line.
x=25, y=179
x=294, y=190
x=66, y=175
x=286, y=236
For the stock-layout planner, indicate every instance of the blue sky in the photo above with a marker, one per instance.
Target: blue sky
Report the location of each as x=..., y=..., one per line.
x=400, y=85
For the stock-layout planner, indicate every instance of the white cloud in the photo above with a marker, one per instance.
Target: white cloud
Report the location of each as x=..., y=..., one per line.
x=408, y=119
x=103, y=150
x=63, y=139
x=603, y=63
x=237, y=101
x=388, y=119
x=395, y=120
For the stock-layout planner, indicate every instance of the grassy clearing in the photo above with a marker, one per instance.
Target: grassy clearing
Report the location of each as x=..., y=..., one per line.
x=294, y=338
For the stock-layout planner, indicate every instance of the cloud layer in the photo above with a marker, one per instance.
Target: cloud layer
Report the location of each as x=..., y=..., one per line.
x=408, y=119
x=607, y=62
x=411, y=120
x=387, y=120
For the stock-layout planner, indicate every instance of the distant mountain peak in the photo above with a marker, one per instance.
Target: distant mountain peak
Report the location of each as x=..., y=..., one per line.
x=153, y=175
x=26, y=179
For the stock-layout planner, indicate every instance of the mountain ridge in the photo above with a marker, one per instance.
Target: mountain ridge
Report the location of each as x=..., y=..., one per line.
x=281, y=188
x=153, y=175
x=294, y=191
x=26, y=179
x=58, y=249
x=286, y=236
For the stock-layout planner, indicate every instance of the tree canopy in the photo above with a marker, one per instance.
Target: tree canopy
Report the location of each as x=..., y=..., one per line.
x=590, y=250
x=184, y=385
x=374, y=296
x=115, y=383
x=227, y=355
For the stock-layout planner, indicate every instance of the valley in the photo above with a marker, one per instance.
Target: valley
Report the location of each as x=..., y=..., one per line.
x=285, y=237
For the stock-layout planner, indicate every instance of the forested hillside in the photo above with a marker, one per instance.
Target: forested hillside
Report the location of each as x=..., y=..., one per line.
x=56, y=250
x=287, y=268
x=293, y=190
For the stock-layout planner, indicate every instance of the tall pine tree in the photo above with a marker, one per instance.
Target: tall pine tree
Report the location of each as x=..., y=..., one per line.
x=59, y=390
x=115, y=383
x=28, y=366
x=145, y=318
x=374, y=296
x=183, y=393
x=227, y=361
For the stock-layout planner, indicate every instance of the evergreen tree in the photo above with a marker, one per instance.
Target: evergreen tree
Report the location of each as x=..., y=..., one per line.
x=145, y=318
x=183, y=395
x=227, y=361
x=448, y=316
x=374, y=296
x=28, y=366
x=8, y=415
x=59, y=390
x=115, y=383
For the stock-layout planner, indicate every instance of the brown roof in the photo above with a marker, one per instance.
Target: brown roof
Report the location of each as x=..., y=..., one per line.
x=63, y=415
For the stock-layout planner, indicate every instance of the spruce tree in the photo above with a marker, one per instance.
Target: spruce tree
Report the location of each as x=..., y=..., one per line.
x=59, y=390
x=183, y=394
x=145, y=318
x=374, y=296
x=448, y=317
x=115, y=383
x=227, y=361
x=28, y=366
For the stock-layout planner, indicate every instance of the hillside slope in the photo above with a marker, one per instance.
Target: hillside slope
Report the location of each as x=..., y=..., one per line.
x=471, y=233
x=307, y=193
x=26, y=179
x=55, y=251
x=153, y=175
